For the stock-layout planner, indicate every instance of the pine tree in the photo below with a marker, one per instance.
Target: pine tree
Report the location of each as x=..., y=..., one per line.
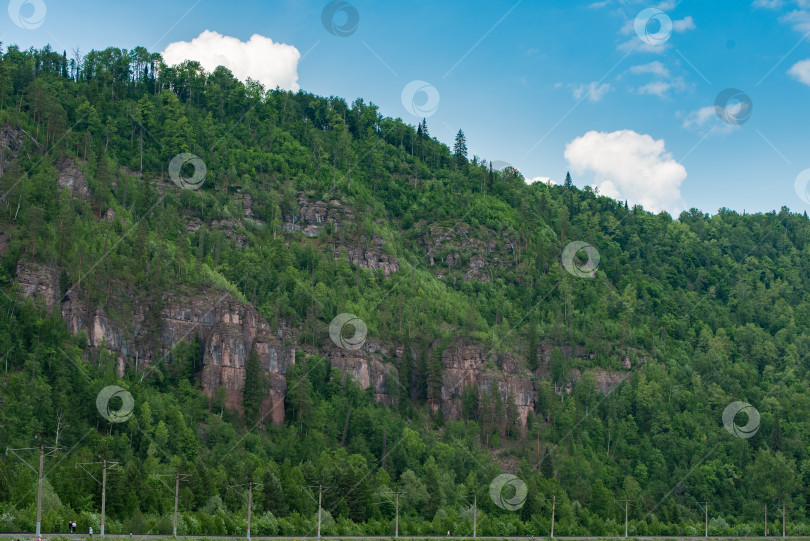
x=512, y=416
x=273, y=492
x=531, y=346
x=568, y=183
x=469, y=402
x=776, y=436
x=433, y=489
x=423, y=129
x=559, y=372
x=434, y=376
x=253, y=391
x=405, y=375
x=460, y=149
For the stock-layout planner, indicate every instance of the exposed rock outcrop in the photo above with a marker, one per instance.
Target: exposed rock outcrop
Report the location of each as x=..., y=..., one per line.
x=39, y=281
x=227, y=329
x=72, y=178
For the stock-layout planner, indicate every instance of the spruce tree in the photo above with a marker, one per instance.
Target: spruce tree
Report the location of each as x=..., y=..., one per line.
x=568, y=183
x=423, y=129
x=253, y=391
x=460, y=149
x=531, y=346
x=405, y=375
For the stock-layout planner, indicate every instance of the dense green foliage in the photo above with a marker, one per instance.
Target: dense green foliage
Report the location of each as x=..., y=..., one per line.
x=716, y=305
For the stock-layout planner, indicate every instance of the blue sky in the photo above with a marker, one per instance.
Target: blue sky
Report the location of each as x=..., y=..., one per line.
x=545, y=86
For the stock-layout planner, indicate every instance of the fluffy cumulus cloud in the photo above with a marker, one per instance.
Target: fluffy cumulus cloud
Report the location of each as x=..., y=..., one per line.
x=261, y=59
x=544, y=180
x=630, y=165
x=801, y=71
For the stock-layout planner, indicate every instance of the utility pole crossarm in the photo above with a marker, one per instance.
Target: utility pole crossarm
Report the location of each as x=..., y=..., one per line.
x=14, y=452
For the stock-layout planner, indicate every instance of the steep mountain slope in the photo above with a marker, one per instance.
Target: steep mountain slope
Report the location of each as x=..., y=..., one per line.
x=491, y=342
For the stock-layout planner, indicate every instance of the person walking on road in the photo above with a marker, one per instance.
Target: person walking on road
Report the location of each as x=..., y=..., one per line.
x=91, y=531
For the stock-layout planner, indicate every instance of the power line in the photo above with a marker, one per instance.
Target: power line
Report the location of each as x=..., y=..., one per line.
x=626, y=502
x=305, y=489
x=706, y=510
x=104, y=466
x=177, y=478
x=40, y=474
x=552, y=507
x=249, y=500
x=397, y=492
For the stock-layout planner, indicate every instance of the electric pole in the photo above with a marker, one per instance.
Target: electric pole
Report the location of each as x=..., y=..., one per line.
x=626, y=502
x=553, y=507
x=475, y=515
x=475, y=512
x=396, y=494
x=105, y=465
x=706, y=510
x=320, y=495
x=39, y=485
x=249, y=500
x=250, y=504
x=40, y=475
x=177, y=478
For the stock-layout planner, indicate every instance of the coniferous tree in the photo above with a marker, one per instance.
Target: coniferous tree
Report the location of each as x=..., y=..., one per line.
x=405, y=375
x=253, y=391
x=460, y=149
x=531, y=346
x=568, y=183
x=423, y=129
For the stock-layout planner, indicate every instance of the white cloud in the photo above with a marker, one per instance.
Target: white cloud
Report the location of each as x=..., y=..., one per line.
x=662, y=88
x=634, y=44
x=626, y=164
x=699, y=118
x=272, y=64
x=801, y=71
x=655, y=68
x=594, y=91
x=687, y=23
x=799, y=19
x=705, y=120
x=767, y=4
x=544, y=180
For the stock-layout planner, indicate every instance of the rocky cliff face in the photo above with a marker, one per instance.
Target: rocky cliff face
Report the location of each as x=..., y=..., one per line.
x=229, y=329
x=313, y=217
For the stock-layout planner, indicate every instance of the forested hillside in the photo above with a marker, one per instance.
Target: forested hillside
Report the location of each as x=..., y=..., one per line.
x=488, y=349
